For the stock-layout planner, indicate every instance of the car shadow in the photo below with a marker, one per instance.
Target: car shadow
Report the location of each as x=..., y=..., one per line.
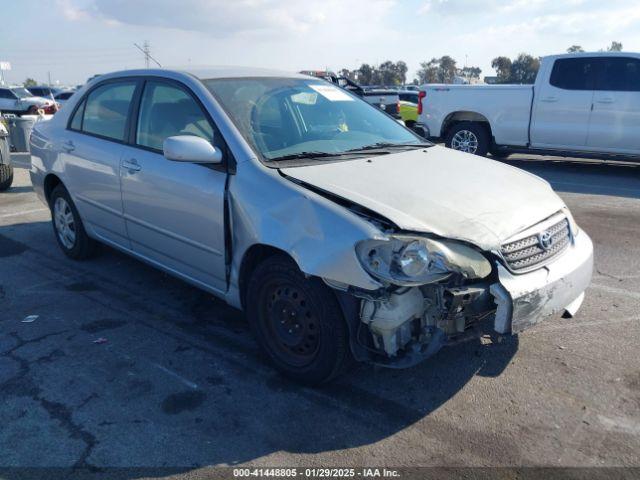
x=237, y=408
x=594, y=177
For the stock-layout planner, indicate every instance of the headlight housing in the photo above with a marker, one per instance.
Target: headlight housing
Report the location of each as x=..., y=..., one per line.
x=573, y=226
x=410, y=260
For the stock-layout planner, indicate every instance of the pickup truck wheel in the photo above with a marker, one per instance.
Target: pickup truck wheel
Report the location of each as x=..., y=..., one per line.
x=67, y=226
x=6, y=177
x=297, y=321
x=468, y=137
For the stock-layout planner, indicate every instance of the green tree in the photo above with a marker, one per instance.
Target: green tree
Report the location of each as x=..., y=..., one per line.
x=365, y=74
x=470, y=72
x=615, y=47
x=502, y=66
x=575, y=49
x=524, y=69
x=30, y=82
x=437, y=70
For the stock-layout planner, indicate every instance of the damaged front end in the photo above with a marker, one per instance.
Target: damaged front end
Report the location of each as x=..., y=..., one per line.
x=439, y=292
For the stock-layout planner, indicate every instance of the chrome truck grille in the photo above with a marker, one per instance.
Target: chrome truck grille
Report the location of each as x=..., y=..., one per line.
x=535, y=250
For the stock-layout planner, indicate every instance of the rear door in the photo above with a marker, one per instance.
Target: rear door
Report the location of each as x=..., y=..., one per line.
x=91, y=150
x=562, y=105
x=174, y=211
x=8, y=100
x=615, y=121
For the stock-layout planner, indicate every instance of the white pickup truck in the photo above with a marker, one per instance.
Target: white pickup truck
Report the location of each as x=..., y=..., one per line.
x=585, y=104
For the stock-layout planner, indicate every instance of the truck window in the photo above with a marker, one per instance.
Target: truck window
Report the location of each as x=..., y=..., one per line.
x=574, y=73
x=619, y=74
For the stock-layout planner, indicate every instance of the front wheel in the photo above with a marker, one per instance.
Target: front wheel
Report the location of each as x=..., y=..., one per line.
x=6, y=177
x=68, y=227
x=469, y=137
x=297, y=321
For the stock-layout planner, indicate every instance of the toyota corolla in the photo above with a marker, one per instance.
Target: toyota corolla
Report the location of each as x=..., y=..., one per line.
x=340, y=233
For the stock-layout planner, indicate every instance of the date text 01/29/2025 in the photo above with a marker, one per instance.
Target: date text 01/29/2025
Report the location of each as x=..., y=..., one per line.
x=315, y=473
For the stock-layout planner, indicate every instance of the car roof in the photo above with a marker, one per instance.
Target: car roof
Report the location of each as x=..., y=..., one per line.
x=594, y=54
x=205, y=73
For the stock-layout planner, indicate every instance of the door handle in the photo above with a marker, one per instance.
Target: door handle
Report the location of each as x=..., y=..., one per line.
x=605, y=100
x=68, y=146
x=549, y=99
x=131, y=165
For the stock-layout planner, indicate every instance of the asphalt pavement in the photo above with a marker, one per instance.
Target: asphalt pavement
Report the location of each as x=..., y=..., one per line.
x=125, y=366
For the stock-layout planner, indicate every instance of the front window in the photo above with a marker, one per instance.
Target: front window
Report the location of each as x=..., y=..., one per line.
x=21, y=92
x=288, y=117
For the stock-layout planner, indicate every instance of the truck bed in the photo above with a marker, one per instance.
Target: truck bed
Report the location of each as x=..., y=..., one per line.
x=506, y=106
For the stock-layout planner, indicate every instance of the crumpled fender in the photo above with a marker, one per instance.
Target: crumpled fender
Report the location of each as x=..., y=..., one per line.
x=320, y=235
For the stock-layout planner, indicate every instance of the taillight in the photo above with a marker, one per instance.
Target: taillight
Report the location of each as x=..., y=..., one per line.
x=398, y=106
x=421, y=95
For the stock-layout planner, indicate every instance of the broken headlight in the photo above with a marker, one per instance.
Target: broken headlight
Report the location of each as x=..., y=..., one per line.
x=407, y=260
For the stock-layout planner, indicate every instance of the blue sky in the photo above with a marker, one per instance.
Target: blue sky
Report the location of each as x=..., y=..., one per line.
x=74, y=39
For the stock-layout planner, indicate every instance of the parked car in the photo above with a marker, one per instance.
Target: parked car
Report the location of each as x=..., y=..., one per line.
x=385, y=99
x=337, y=230
x=44, y=91
x=408, y=107
x=19, y=101
x=6, y=169
x=62, y=97
x=583, y=104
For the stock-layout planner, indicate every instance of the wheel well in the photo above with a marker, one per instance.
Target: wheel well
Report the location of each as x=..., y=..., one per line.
x=51, y=181
x=255, y=255
x=463, y=116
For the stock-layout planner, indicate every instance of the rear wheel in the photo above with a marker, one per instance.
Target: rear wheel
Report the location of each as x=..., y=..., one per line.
x=68, y=227
x=468, y=137
x=297, y=321
x=6, y=177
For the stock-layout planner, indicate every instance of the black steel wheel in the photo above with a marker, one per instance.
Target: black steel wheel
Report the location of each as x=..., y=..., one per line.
x=6, y=177
x=297, y=321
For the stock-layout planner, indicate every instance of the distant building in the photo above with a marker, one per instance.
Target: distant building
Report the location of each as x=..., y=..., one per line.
x=491, y=80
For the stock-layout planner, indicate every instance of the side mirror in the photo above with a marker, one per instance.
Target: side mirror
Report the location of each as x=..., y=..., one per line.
x=189, y=148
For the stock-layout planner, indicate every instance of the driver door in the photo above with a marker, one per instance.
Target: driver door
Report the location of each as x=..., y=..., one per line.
x=174, y=211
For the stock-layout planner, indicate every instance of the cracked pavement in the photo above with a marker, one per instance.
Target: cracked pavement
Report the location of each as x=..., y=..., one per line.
x=180, y=384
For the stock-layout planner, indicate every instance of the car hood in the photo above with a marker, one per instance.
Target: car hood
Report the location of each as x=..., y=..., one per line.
x=440, y=191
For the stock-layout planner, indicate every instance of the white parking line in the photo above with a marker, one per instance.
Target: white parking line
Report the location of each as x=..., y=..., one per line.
x=616, y=291
x=26, y=212
x=176, y=376
x=620, y=424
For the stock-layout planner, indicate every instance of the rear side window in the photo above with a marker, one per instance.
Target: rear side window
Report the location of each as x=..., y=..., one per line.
x=619, y=74
x=106, y=110
x=5, y=93
x=409, y=97
x=574, y=73
x=167, y=110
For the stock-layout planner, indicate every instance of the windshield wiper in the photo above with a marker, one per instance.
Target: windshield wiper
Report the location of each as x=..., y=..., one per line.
x=303, y=155
x=389, y=145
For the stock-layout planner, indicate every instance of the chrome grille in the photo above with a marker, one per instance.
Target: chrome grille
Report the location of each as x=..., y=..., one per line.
x=529, y=252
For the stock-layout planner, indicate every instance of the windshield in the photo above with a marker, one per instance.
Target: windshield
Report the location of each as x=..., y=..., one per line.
x=21, y=92
x=287, y=117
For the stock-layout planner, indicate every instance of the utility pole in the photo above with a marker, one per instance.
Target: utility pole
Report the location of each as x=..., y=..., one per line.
x=146, y=49
x=49, y=75
x=147, y=54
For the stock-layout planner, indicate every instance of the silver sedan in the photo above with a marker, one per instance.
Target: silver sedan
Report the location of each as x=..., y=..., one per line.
x=339, y=232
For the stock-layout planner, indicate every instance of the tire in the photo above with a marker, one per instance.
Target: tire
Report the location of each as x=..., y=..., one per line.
x=67, y=226
x=297, y=321
x=6, y=177
x=469, y=137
